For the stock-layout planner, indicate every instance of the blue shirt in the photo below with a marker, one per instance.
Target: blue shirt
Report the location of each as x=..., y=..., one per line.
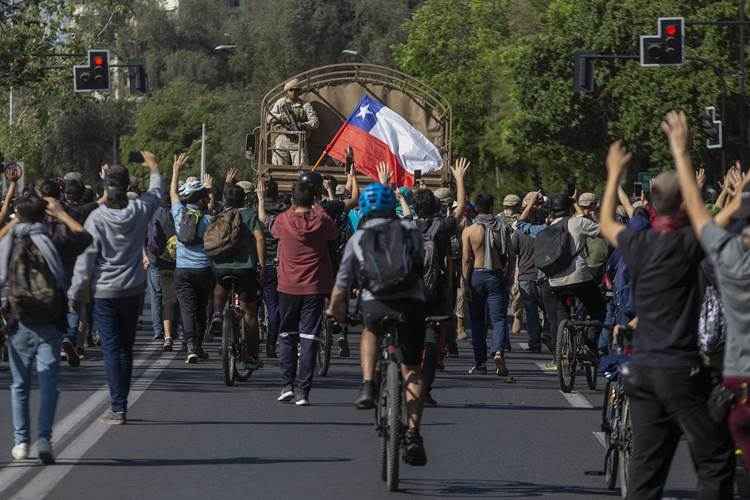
x=193, y=256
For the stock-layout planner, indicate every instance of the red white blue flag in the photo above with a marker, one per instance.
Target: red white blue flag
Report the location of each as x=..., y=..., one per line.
x=377, y=133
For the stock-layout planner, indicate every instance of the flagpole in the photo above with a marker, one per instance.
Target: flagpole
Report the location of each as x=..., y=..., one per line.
x=329, y=146
x=203, y=150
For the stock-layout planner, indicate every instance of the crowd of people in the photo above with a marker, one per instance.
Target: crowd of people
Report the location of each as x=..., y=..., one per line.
x=670, y=265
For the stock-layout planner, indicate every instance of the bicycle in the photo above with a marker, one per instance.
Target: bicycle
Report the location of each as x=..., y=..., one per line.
x=616, y=417
x=572, y=349
x=326, y=346
x=234, y=348
x=390, y=409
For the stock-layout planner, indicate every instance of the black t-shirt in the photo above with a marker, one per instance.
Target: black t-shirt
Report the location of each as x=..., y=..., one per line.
x=522, y=246
x=336, y=210
x=273, y=209
x=668, y=289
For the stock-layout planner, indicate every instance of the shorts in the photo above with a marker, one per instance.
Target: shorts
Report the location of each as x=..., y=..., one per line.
x=247, y=282
x=410, y=335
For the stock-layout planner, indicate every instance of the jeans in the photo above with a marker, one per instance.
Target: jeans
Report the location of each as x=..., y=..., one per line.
x=301, y=320
x=117, y=322
x=531, y=300
x=271, y=302
x=30, y=345
x=667, y=403
x=194, y=287
x=155, y=295
x=73, y=317
x=488, y=294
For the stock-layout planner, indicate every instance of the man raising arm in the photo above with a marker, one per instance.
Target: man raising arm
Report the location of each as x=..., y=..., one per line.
x=617, y=161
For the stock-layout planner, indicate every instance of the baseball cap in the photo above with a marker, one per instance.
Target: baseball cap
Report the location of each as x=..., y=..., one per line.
x=511, y=201
x=587, y=200
x=246, y=186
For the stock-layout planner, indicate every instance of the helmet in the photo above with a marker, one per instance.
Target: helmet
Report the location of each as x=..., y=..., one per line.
x=312, y=178
x=191, y=187
x=376, y=198
x=246, y=186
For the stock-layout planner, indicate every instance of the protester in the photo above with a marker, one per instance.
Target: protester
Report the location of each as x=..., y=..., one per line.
x=378, y=204
x=666, y=383
x=269, y=207
x=305, y=277
x=487, y=270
x=112, y=266
x=193, y=275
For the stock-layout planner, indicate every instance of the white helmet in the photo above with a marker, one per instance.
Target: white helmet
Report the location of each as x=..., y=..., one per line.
x=190, y=187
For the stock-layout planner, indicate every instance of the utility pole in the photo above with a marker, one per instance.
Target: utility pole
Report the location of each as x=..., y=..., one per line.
x=11, y=111
x=203, y=150
x=743, y=84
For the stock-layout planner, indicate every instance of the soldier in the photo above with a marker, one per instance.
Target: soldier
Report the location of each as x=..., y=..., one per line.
x=290, y=114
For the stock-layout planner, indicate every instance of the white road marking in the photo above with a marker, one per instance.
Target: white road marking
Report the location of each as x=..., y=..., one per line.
x=601, y=439
x=13, y=472
x=524, y=346
x=43, y=483
x=546, y=369
x=577, y=400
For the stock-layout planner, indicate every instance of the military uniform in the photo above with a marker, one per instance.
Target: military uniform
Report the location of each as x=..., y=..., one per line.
x=285, y=113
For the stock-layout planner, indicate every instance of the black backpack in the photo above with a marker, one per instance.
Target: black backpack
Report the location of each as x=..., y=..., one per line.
x=33, y=292
x=433, y=269
x=188, y=231
x=390, y=262
x=554, y=249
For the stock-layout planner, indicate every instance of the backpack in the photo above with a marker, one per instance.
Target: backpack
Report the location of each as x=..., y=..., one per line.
x=389, y=263
x=433, y=267
x=188, y=231
x=554, y=249
x=597, y=254
x=157, y=241
x=223, y=235
x=33, y=291
x=712, y=328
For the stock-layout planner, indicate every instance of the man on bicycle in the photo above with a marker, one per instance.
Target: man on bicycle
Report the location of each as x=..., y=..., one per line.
x=240, y=264
x=378, y=203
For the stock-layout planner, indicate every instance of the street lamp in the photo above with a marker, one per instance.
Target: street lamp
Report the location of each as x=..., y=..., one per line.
x=224, y=48
x=350, y=52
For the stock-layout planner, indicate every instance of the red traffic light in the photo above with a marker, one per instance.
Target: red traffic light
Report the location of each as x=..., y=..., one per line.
x=98, y=61
x=672, y=30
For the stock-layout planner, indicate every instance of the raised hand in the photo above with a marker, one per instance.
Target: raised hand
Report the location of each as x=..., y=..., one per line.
x=149, y=159
x=617, y=160
x=460, y=167
x=260, y=190
x=675, y=127
x=384, y=173
x=13, y=173
x=54, y=208
x=179, y=162
x=207, y=181
x=233, y=175
x=700, y=177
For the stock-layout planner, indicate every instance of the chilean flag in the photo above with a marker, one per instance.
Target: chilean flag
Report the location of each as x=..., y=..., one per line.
x=377, y=133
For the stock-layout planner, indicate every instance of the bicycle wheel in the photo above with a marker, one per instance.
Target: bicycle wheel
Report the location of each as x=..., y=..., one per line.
x=566, y=356
x=381, y=410
x=626, y=440
x=243, y=354
x=393, y=381
x=326, y=344
x=609, y=407
x=228, y=360
x=262, y=323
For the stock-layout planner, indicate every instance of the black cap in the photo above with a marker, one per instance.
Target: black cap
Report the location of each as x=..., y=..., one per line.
x=560, y=203
x=312, y=178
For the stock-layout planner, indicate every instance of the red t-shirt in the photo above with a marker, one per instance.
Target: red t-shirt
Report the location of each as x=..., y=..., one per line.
x=304, y=264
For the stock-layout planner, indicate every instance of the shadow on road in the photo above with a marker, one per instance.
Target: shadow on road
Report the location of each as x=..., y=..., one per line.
x=166, y=462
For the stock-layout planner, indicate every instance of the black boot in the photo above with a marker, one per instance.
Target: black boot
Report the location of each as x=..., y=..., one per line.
x=366, y=397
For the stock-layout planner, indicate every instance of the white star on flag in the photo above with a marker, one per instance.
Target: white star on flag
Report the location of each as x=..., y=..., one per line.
x=364, y=111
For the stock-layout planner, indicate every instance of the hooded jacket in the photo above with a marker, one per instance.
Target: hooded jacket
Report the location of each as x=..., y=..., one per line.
x=112, y=264
x=304, y=264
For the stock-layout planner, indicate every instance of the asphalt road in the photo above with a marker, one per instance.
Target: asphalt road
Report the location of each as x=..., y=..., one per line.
x=189, y=436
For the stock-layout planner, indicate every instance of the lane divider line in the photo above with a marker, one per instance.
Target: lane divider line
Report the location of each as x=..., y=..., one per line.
x=600, y=438
x=14, y=471
x=44, y=482
x=577, y=400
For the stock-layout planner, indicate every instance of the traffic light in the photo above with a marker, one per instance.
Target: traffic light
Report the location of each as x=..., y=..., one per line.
x=583, y=79
x=93, y=76
x=713, y=128
x=137, y=81
x=667, y=48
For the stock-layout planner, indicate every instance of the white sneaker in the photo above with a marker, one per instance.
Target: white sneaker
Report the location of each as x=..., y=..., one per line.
x=20, y=451
x=287, y=394
x=302, y=400
x=45, y=451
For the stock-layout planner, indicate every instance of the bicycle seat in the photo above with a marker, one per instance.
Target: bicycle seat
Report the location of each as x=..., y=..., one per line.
x=229, y=281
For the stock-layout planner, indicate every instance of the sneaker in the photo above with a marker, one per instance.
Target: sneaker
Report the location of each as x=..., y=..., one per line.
x=414, y=453
x=478, y=370
x=216, y=325
x=113, y=418
x=158, y=337
x=168, y=345
x=45, y=451
x=287, y=394
x=366, y=398
x=192, y=356
x=500, y=369
x=70, y=354
x=20, y=451
x=302, y=399
x=428, y=401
